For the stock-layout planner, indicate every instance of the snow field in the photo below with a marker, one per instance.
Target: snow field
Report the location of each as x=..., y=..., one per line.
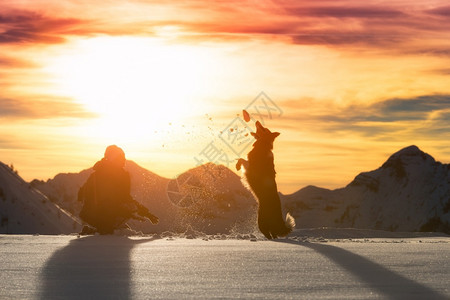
x=171, y=267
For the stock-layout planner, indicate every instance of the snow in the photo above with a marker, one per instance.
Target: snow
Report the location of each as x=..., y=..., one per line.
x=409, y=192
x=311, y=264
x=24, y=209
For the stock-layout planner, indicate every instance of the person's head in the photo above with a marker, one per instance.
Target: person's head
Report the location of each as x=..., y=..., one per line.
x=115, y=155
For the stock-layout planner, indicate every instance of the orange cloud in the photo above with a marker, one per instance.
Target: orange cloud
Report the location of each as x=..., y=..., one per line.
x=44, y=107
x=312, y=23
x=383, y=118
x=11, y=62
x=30, y=27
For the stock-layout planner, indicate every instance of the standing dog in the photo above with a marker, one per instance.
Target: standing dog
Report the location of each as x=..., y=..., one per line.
x=259, y=173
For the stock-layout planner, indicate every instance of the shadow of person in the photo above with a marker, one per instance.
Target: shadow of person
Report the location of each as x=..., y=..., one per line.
x=94, y=267
x=386, y=282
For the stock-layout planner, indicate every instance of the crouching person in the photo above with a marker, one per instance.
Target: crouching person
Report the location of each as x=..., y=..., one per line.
x=107, y=203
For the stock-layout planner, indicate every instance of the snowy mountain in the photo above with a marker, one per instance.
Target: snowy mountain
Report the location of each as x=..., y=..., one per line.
x=212, y=199
x=409, y=192
x=23, y=209
x=209, y=198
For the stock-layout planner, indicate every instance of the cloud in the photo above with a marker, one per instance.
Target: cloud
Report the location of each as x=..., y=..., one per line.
x=425, y=115
x=345, y=38
x=11, y=141
x=386, y=25
x=343, y=23
x=347, y=11
x=10, y=108
x=442, y=11
x=31, y=27
x=391, y=110
x=379, y=25
x=407, y=109
x=438, y=51
x=42, y=108
x=445, y=116
x=11, y=62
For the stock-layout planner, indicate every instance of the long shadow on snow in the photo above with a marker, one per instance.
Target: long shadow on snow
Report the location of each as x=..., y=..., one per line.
x=94, y=267
x=379, y=278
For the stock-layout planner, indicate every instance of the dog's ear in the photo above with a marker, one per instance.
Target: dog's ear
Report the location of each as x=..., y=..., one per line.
x=254, y=135
x=275, y=134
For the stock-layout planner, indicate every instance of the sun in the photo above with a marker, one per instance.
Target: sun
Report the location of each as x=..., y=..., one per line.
x=134, y=81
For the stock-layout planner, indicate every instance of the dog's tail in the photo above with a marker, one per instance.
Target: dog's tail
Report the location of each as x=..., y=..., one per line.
x=285, y=228
x=290, y=222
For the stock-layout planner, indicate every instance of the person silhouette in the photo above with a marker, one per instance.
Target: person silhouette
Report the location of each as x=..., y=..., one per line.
x=107, y=203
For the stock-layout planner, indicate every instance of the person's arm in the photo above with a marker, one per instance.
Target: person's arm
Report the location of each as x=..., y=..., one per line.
x=141, y=209
x=144, y=212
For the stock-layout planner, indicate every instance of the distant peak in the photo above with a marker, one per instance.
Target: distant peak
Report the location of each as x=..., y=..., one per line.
x=410, y=154
x=410, y=150
x=210, y=166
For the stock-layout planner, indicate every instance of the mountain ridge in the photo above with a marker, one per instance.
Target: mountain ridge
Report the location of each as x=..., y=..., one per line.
x=410, y=191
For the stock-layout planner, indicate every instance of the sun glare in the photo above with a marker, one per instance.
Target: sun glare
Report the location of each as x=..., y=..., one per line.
x=134, y=79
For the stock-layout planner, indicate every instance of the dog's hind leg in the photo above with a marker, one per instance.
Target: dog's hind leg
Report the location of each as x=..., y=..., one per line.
x=264, y=228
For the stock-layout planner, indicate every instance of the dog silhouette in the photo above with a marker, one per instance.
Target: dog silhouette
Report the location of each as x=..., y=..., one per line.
x=259, y=174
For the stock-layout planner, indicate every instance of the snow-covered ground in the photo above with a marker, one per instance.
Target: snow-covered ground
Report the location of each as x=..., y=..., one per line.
x=310, y=264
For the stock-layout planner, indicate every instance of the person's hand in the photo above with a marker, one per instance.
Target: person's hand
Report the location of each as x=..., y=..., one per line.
x=154, y=219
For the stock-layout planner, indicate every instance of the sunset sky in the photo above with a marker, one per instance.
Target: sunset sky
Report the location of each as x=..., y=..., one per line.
x=347, y=83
